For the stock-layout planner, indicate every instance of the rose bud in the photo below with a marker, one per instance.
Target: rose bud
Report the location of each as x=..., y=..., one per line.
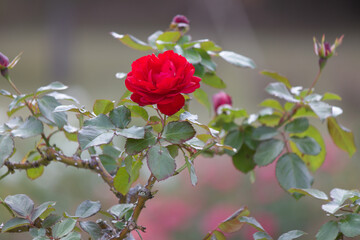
x=324, y=50
x=221, y=100
x=4, y=61
x=160, y=80
x=180, y=23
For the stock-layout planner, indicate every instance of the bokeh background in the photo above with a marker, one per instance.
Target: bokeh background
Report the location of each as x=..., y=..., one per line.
x=69, y=41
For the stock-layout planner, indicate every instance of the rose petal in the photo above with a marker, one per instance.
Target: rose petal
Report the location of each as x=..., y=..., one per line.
x=172, y=107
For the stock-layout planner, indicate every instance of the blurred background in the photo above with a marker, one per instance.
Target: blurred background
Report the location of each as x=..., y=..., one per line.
x=69, y=41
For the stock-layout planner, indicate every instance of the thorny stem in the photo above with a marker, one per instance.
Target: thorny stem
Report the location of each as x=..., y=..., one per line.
x=314, y=82
x=143, y=196
x=51, y=154
x=27, y=105
x=288, y=115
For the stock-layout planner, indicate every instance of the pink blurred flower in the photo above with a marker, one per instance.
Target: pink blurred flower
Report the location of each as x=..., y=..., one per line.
x=163, y=216
x=333, y=160
x=220, y=99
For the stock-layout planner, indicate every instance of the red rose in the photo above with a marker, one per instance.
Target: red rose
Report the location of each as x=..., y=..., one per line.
x=161, y=80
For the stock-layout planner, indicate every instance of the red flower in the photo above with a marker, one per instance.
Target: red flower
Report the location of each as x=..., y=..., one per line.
x=161, y=80
x=221, y=98
x=4, y=61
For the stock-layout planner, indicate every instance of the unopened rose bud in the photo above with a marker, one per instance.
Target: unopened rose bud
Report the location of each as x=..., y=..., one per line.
x=220, y=100
x=180, y=23
x=4, y=61
x=324, y=50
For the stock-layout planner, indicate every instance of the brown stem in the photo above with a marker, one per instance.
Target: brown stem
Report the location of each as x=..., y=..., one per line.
x=144, y=194
x=288, y=115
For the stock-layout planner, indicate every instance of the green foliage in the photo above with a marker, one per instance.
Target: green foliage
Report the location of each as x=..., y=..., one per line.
x=160, y=162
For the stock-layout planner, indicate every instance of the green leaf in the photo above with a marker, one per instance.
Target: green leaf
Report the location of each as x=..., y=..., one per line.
x=328, y=231
x=101, y=122
x=199, y=70
x=209, y=46
x=252, y=222
x=342, y=137
x=108, y=162
x=268, y=151
x=72, y=236
x=178, y=132
x=206, y=60
x=62, y=96
x=90, y=136
x=291, y=235
x=73, y=108
x=243, y=160
x=310, y=192
x=47, y=105
x=264, y=133
x=6, y=148
x=31, y=127
x=63, y=228
x=134, y=146
x=202, y=97
x=35, y=232
x=173, y=150
x=261, y=236
x=171, y=36
x=120, y=116
x=192, y=173
x=331, y=96
x=131, y=41
x=339, y=196
x=92, y=229
x=21, y=204
x=313, y=162
x=6, y=93
x=15, y=223
x=306, y=145
x=103, y=106
x=121, y=181
x=237, y=59
x=272, y=103
x=213, y=80
x=298, y=125
x=41, y=209
x=132, y=132
x=324, y=110
x=120, y=210
x=160, y=162
x=87, y=209
x=34, y=173
x=234, y=139
x=350, y=225
x=137, y=111
x=279, y=90
x=192, y=55
x=50, y=220
x=54, y=86
x=291, y=172
x=277, y=77
x=232, y=223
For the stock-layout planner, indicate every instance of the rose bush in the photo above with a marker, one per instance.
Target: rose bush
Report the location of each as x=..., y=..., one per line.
x=161, y=80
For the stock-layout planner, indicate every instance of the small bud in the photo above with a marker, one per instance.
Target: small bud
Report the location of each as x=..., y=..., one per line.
x=4, y=61
x=180, y=23
x=324, y=50
x=220, y=99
